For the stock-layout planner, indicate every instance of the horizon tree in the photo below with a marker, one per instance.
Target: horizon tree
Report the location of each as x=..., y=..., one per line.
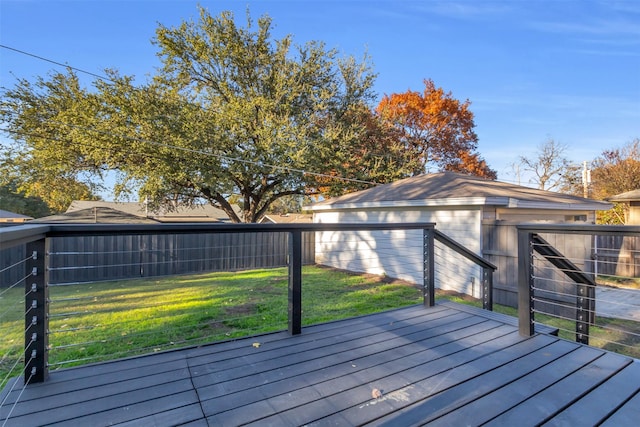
x=436, y=129
x=230, y=114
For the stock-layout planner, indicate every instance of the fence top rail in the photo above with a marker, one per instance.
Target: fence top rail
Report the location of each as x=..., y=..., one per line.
x=580, y=229
x=12, y=236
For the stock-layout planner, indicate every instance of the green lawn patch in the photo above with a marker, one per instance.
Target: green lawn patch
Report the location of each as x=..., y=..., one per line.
x=101, y=321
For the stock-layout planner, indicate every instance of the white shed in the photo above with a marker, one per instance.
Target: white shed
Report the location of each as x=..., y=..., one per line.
x=463, y=207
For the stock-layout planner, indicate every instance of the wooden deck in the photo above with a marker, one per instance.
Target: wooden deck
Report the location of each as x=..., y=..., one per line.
x=447, y=365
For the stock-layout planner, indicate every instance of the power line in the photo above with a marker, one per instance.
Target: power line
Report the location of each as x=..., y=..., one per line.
x=56, y=62
x=193, y=151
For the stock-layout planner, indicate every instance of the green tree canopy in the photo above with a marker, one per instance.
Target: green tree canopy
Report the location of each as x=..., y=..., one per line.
x=231, y=112
x=13, y=200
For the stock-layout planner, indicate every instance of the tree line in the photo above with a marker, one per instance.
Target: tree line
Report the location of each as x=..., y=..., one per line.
x=232, y=118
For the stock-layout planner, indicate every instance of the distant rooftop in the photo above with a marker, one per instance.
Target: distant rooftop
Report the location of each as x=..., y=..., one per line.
x=6, y=216
x=449, y=188
x=199, y=213
x=629, y=196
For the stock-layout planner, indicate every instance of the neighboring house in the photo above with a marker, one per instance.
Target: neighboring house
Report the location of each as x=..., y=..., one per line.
x=199, y=213
x=621, y=256
x=287, y=218
x=10, y=218
x=478, y=213
x=95, y=215
x=632, y=217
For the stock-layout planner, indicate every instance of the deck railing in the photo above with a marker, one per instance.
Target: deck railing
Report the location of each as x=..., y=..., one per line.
x=394, y=253
x=565, y=277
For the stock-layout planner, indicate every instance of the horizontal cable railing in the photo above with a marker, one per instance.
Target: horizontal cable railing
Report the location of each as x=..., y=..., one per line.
x=90, y=293
x=18, y=335
x=571, y=279
x=239, y=281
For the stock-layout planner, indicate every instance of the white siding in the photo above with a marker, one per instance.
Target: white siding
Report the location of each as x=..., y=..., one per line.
x=399, y=253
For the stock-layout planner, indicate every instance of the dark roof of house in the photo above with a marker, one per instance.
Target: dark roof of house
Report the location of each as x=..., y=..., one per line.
x=629, y=196
x=95, y=215
x=453, y=189
x=12, y=215
x=288, y=218
x=199, y=213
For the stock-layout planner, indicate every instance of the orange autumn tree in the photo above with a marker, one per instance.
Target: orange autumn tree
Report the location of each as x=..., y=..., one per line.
x=437, y=130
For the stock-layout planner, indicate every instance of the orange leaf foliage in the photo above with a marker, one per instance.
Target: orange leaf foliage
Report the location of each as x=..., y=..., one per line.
x=436, y=128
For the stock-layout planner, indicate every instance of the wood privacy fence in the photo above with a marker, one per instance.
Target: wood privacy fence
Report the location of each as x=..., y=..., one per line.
x=599, y=254
x=81, y=259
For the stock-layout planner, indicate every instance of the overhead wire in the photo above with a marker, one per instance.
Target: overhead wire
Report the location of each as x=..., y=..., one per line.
x=164, y=145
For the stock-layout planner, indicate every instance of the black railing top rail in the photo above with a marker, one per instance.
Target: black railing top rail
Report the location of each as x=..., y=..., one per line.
x=12, y=236
x=448, y=241
x=579, y=228
x=20, y=234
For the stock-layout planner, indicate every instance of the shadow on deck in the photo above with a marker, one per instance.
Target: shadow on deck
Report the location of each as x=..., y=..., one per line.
x=446, y=365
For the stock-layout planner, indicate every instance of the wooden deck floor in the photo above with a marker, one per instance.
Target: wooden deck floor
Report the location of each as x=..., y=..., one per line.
x=444, y=365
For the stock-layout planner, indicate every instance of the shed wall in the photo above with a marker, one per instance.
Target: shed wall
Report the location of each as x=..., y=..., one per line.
x=399, y=254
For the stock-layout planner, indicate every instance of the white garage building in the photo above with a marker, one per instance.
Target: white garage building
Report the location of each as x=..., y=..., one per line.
x=472, y=211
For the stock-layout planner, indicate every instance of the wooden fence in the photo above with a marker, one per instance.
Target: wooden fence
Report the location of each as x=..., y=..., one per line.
x=81, y=259
x=599, y=254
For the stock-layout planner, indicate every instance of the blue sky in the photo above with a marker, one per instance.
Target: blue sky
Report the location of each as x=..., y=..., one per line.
x=533, y=70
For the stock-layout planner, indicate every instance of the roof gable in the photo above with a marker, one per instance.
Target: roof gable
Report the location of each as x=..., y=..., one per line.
x=449, y=188
x=629, y=196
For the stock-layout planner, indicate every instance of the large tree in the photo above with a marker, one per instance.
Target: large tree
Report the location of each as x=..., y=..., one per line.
x=34, y=189
x=616, y=171
x=437, y=130
x=14, y=200
x=379, y=155
x=231, y=114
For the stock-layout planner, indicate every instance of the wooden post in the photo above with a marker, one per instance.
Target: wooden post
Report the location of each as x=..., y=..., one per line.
x=525, y=283
x=295, y=282
x=36, y=339
x=428, y=267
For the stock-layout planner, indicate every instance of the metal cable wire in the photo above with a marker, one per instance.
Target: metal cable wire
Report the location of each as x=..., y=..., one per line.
x=19, y=395
x=15, y=284
x=9, y=267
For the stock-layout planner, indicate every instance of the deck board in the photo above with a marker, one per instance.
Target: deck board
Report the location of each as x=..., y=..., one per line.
x=446, y=365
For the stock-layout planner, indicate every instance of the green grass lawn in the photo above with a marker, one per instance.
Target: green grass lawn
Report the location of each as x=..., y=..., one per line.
x=101, y=321
x=619, y=282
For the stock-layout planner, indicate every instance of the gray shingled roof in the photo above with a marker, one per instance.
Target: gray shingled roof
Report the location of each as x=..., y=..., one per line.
x=11, y=215
x=95, y=215
x=629, y=196
x=194, y=213
x=448, y=188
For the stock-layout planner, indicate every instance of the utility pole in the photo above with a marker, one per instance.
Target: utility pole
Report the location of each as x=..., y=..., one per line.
x=586, y=179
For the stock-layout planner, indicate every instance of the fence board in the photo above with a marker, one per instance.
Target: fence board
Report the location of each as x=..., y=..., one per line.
x=98, y=258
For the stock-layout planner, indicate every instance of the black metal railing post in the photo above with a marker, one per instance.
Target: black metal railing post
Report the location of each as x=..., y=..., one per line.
x=295, y=282
x=525, y=283
x=584, y=299
x=428, y=267
x=36, y=313
x=487, y=288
